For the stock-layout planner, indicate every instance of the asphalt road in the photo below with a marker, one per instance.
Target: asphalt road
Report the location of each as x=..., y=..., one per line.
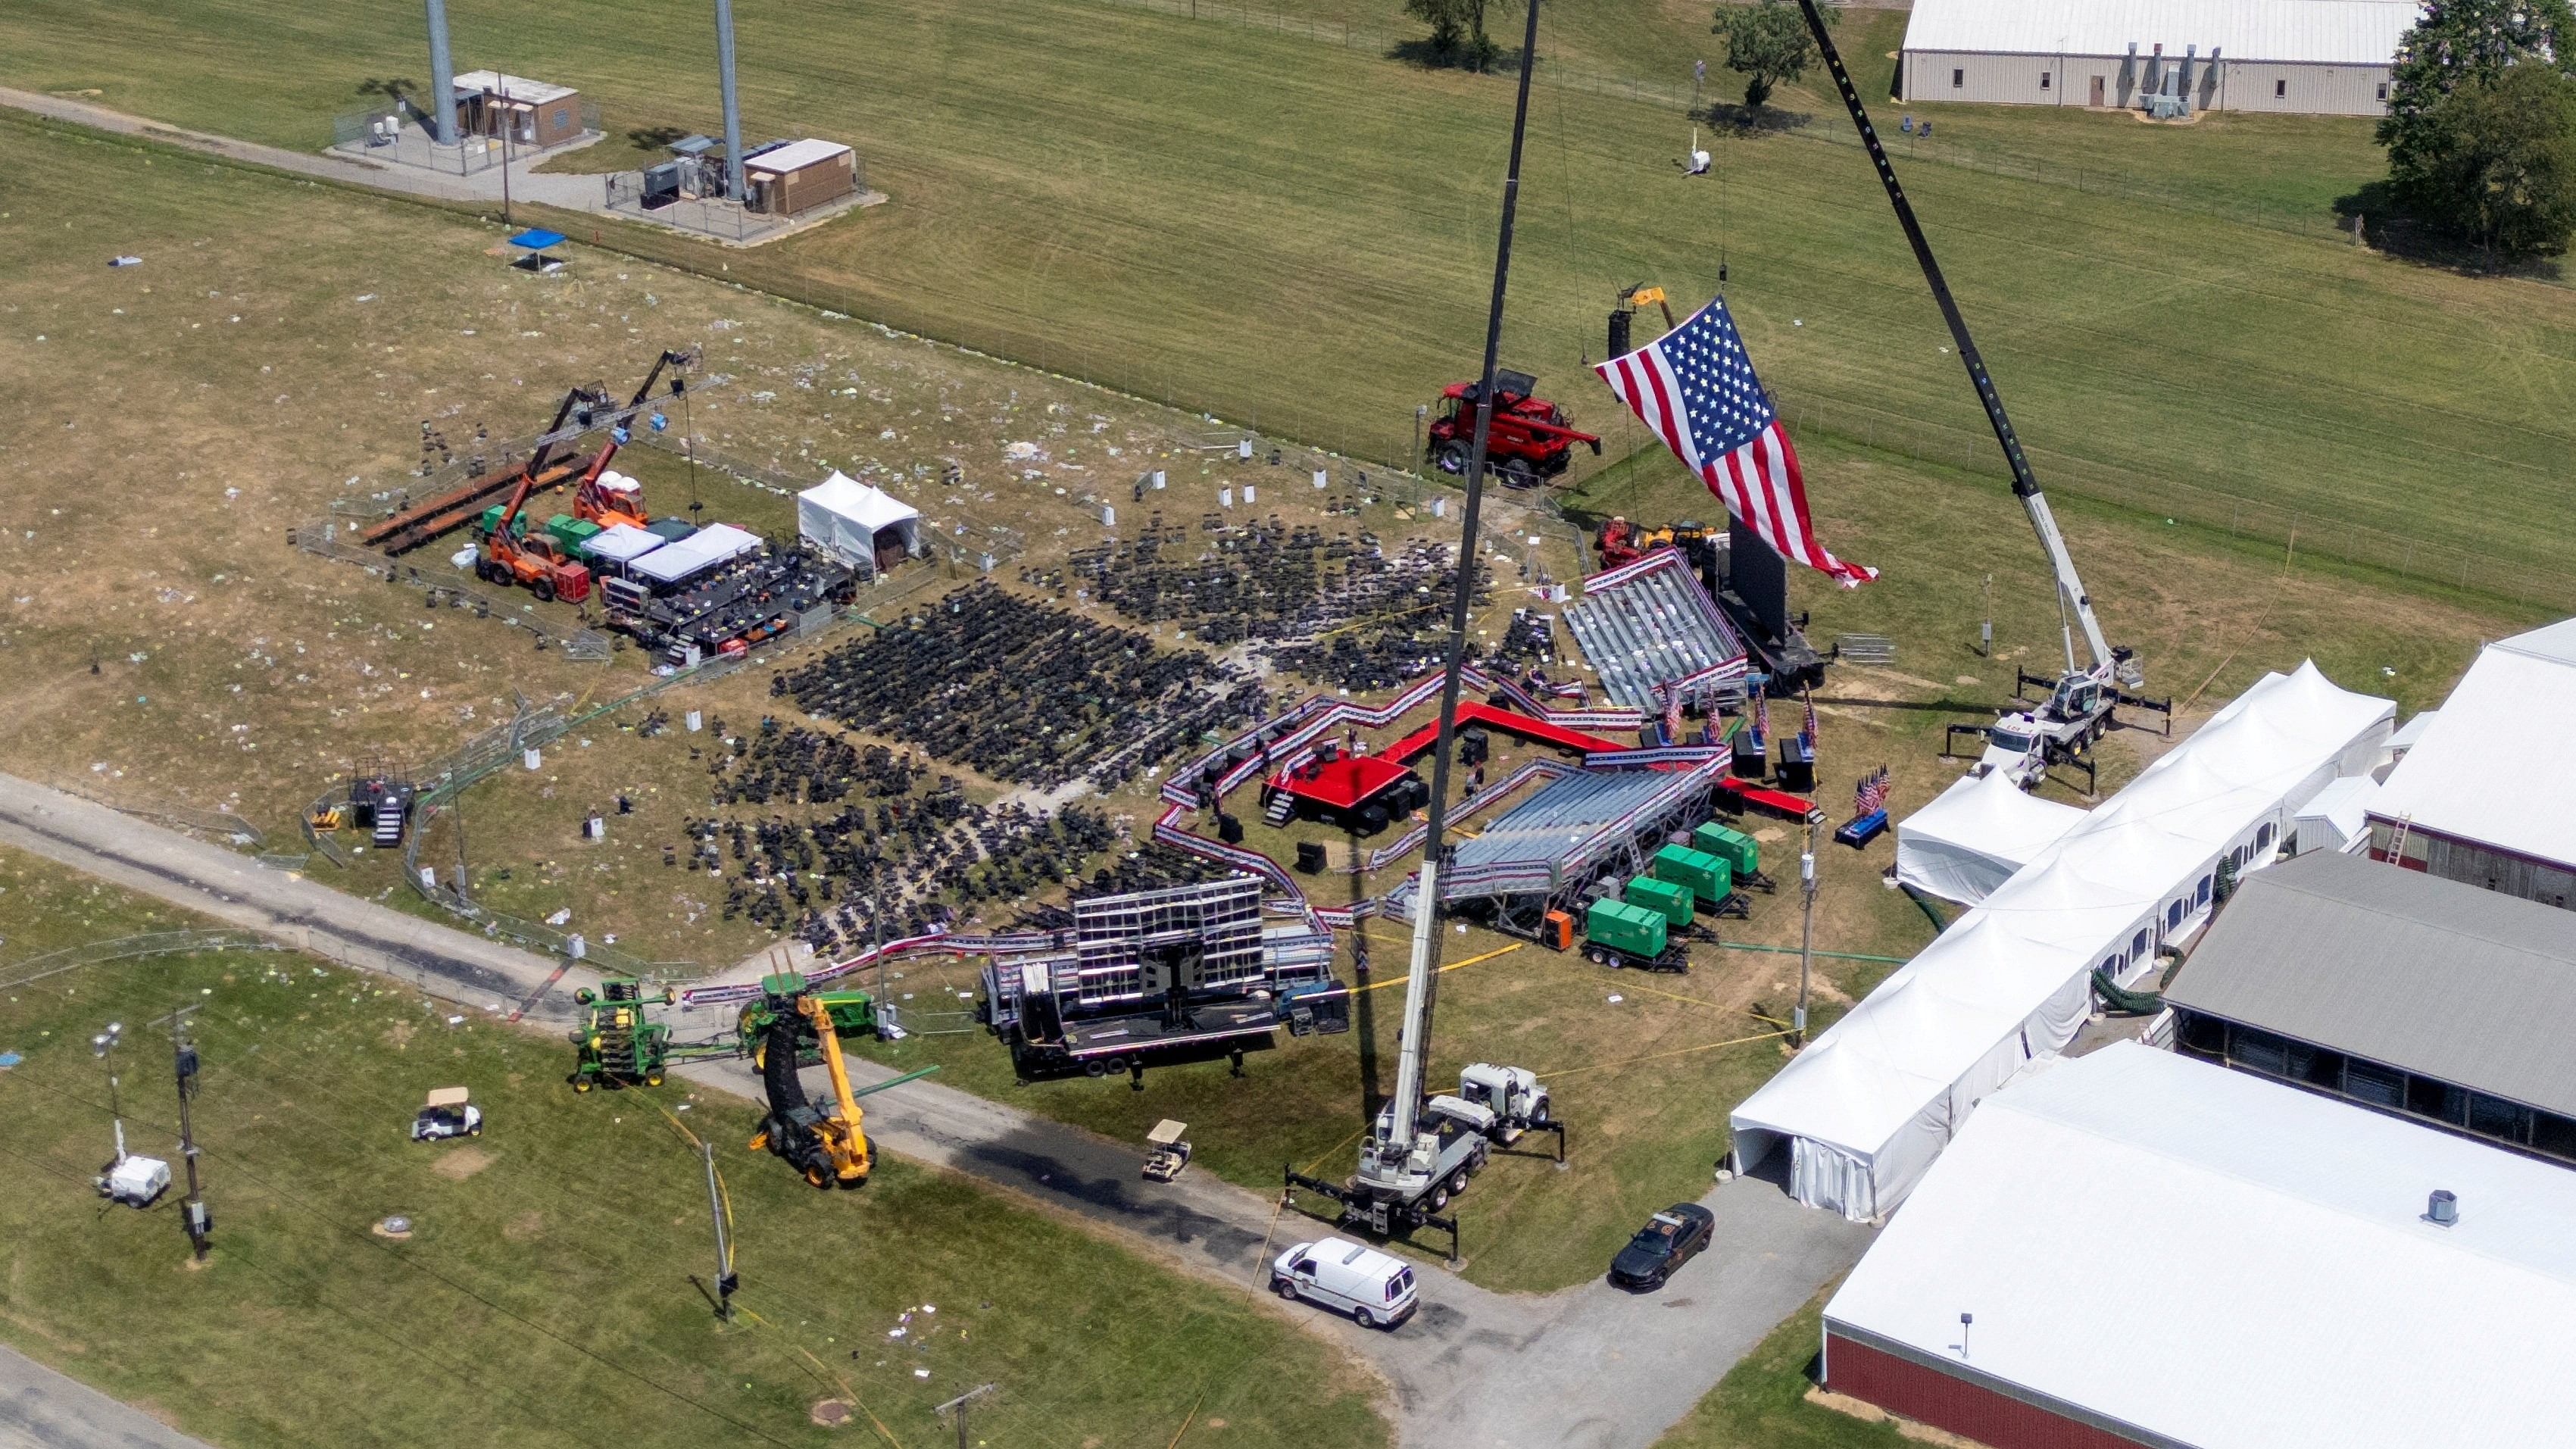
x=1587, y=1368
x=41, y=1409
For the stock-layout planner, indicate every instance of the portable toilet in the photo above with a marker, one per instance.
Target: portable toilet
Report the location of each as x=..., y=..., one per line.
x=1740, y=851
x=1669, y=898
x=1706, y=875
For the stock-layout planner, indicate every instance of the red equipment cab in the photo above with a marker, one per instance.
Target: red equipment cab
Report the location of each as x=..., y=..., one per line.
x=1530, y=440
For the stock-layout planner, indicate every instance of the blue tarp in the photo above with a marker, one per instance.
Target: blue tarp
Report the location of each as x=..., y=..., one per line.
x=536, y=239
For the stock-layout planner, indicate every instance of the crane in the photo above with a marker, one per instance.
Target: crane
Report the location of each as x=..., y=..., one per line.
x=598, y=504
x=2082, y=697
x=1420, y=1152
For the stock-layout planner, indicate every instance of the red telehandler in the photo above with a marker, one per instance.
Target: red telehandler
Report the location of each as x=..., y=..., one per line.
x=607, y=505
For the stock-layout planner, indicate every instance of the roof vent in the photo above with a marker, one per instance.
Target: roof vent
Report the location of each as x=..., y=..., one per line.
x=2442, y=1210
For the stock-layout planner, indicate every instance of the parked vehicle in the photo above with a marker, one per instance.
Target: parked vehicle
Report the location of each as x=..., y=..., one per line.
x=1375, y=1289
x=447, y=1115
x=1669, y=1239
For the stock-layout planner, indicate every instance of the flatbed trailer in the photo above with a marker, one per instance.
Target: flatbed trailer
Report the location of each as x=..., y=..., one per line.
x=453, y=510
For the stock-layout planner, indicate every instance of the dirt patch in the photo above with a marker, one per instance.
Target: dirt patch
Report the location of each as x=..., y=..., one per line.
x=1869, y=1413
x=462, y=1163
x=398, y=1035
x=525, y=1226
x=830, y=1413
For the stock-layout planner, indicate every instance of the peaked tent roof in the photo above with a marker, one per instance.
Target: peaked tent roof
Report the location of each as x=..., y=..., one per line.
x=867, y=506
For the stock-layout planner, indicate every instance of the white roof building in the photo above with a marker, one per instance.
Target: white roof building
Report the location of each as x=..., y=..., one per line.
x=2488, y=793
x=795, y=156
x=1869, y=1104
x=2170, y=1253
x=2313, y=32
x=520, y=89
x=2170, y=57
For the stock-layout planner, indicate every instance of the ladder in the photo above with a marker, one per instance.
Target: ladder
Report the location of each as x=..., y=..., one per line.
x=2397, y=838
x=389, y=823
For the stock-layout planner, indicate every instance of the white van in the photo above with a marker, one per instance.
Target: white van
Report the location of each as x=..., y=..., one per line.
x=1374, y=1288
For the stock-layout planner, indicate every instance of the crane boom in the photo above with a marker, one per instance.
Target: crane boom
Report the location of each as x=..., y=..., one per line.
x=2070, y=589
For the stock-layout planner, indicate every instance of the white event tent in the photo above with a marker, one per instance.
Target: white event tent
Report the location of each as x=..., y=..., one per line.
x=1973, y=836
x=1868, y=1105
x=847, y=519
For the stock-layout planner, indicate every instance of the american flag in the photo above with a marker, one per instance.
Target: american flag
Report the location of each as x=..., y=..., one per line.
x=1761, y=720
x=1807, y=731
x=1673, y=713
x=1695, y=387
x=1871, y=794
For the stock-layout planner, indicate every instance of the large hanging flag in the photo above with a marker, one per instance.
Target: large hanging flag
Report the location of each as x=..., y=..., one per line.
x=1695, y=387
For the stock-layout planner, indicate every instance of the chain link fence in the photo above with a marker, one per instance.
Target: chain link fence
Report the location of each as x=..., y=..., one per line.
x=129, y=948
x=328, y=537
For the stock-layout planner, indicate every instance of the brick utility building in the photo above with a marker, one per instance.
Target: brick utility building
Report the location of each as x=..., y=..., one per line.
x=2134, y=1248
x=797, y=176
x=534, y=113
x=2400, y=992
x=2487, y=794
x=2170, y=57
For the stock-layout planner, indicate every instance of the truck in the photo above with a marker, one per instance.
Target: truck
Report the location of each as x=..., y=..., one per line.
x=2083, y=695
x=1530, y=440
x=1422, y=1149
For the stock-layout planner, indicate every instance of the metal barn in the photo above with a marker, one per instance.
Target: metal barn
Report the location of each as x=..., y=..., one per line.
x=2170, y=58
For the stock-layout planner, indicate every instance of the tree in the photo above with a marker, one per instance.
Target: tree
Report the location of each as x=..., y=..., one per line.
x=1458, y=28
x=2495, y=161
x=2459, y=41
x=1768, y=43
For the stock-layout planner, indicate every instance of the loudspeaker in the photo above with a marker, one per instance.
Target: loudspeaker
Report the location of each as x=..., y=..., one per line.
x=1229, y=829
x=1310, y=856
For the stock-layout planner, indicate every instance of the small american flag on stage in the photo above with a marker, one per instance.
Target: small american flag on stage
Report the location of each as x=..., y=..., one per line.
x=1762, y=719
x=1807, y=731
x=1695, y=387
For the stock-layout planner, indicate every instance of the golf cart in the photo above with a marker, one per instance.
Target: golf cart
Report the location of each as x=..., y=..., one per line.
x=447, y=1115
x=1170, y=1153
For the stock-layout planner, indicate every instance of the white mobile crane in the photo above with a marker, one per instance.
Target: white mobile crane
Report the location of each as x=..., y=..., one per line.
x=2081, y=700
x=1419, y=1153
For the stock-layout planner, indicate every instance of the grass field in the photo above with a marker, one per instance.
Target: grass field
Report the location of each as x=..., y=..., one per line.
x=1308, y=250
x=544, y=1296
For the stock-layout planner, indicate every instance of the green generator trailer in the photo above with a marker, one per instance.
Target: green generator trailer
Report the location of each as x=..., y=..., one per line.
x=1741, y=852
x=1672, y=899
x=1618, y=933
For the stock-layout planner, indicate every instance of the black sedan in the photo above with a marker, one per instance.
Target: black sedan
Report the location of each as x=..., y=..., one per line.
x=1669, y=1239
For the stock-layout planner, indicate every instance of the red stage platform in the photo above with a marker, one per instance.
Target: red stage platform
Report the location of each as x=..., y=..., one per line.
x=1776, y=802
x=1342, y=784
x=1508, y=721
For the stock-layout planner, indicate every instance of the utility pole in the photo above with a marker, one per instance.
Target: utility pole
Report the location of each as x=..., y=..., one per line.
x=99, y=1047
x=183, y=1062
x=506, y=127
x=958, y=1405
x=1806, y=934
x=1986, y=632
x=726, y=1279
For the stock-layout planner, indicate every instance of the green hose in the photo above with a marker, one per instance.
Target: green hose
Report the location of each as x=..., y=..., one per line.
x=1828, y=955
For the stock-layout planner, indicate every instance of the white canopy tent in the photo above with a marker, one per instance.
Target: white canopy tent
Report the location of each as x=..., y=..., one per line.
x=674, y=563
x=1870, y=1103
x=1971, y=837
x=849, y=519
